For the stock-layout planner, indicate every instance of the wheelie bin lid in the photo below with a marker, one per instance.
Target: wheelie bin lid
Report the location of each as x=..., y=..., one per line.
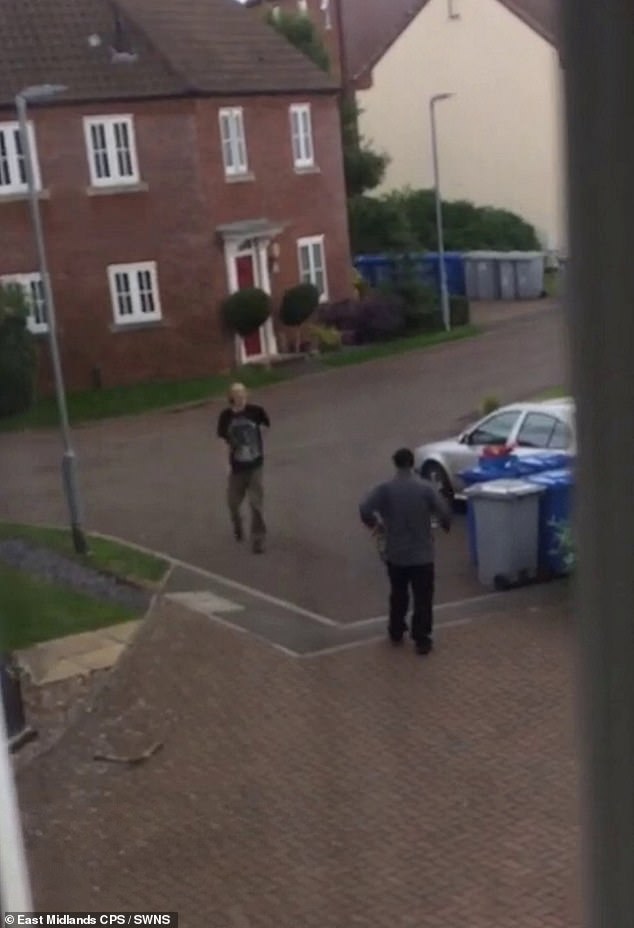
x=563, y=476
x=503, y=489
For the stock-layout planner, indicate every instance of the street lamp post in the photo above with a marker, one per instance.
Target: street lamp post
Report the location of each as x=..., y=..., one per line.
x=444, y=292
x=69, y=460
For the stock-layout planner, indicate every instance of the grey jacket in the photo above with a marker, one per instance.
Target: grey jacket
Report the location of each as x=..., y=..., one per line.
x=404, y=507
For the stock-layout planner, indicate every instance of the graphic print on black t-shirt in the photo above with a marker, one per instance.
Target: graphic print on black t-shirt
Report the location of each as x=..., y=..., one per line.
x=241, y=430
x=245, y=440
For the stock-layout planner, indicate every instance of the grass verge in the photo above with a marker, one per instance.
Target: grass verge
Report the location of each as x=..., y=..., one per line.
x=109, y=556
x=555, y=393
x=348, y=356
x=34, y=610
x=90, y=406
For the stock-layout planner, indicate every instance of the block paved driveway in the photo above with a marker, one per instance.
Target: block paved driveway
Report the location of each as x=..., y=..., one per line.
x=159, y=479
x=367, y=787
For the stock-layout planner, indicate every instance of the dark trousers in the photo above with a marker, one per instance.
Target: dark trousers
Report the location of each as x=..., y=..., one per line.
x=420, y=578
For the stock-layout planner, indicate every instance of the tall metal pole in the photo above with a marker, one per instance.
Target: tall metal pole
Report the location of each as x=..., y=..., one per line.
x=444, y=291
x=69, y=460
x=599, y=68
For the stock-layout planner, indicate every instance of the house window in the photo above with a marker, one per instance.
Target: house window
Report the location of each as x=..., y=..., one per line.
x=234, y=146
x=111, y=150
x=33, y=290
x=12, y=160
x=325, y=9
x=312, y=264
x=302, y=6
x=134, y=293
x=302, y=135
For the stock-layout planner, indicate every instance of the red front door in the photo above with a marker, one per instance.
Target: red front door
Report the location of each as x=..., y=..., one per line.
x=245, y=273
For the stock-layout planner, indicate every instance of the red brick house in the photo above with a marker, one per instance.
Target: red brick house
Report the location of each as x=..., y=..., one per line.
x=194, y=152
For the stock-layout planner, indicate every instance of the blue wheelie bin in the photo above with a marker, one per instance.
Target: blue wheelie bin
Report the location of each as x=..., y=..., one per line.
x=509, y=466
x=555, y=509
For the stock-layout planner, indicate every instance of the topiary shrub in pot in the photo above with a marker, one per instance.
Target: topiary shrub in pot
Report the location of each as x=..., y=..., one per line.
x=18, y=357
x=245, y=311
x=298, y=305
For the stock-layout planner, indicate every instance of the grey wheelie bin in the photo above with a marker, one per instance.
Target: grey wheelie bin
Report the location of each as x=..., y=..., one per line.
x=506, y=522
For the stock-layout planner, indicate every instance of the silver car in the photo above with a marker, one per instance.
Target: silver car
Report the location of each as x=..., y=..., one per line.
x=524, y=427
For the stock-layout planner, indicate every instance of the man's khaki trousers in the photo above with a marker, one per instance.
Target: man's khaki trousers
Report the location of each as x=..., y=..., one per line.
x=247, y=483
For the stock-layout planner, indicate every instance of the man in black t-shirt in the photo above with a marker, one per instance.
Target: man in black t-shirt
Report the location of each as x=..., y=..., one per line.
x=240, y=426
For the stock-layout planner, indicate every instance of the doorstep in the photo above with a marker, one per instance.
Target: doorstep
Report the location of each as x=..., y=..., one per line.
x=76, y=655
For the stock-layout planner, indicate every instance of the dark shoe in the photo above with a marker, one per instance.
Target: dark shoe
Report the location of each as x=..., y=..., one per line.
x=258, y=546
x=425, y=646
x=397, y=637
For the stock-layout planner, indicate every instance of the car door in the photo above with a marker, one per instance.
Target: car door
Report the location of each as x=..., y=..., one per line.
x=563, y=437
x=541, y=430
x=496, y=430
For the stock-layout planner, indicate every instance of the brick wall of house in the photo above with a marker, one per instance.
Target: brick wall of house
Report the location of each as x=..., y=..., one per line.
x=174, y=223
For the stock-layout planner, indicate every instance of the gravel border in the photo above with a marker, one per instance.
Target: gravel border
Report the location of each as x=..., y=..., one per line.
x=55, y=568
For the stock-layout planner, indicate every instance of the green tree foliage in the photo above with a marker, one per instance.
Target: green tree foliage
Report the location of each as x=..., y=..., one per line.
x=17, y=353
x=300, y=32
x=364, y=168
x=379, y=224
x=406, y=220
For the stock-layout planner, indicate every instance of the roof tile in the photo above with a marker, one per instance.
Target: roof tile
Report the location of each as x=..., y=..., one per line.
x=182, y=46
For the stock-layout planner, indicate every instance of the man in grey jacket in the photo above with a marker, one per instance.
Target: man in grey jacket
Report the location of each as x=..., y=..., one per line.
x=403, y=508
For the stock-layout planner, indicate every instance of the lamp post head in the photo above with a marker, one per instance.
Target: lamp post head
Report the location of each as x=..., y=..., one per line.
x=41, y=92
x=440, y=96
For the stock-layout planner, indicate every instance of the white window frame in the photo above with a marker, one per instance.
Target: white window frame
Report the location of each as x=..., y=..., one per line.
x=233, y=141
x=110, y=153
x=10, y=161
x=134, y=293
x=302, y=140
x=36, y=320
x=308, y=271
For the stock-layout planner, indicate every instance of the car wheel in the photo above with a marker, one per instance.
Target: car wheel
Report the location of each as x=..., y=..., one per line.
x=438, y=476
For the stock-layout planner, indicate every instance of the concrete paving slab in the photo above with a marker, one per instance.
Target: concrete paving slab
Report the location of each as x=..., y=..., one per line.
x=205, y=602
x=101, y=658
x=123, y=633
x=59, y=670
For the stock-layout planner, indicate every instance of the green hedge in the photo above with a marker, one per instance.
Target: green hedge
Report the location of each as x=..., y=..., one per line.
x=406, y=221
